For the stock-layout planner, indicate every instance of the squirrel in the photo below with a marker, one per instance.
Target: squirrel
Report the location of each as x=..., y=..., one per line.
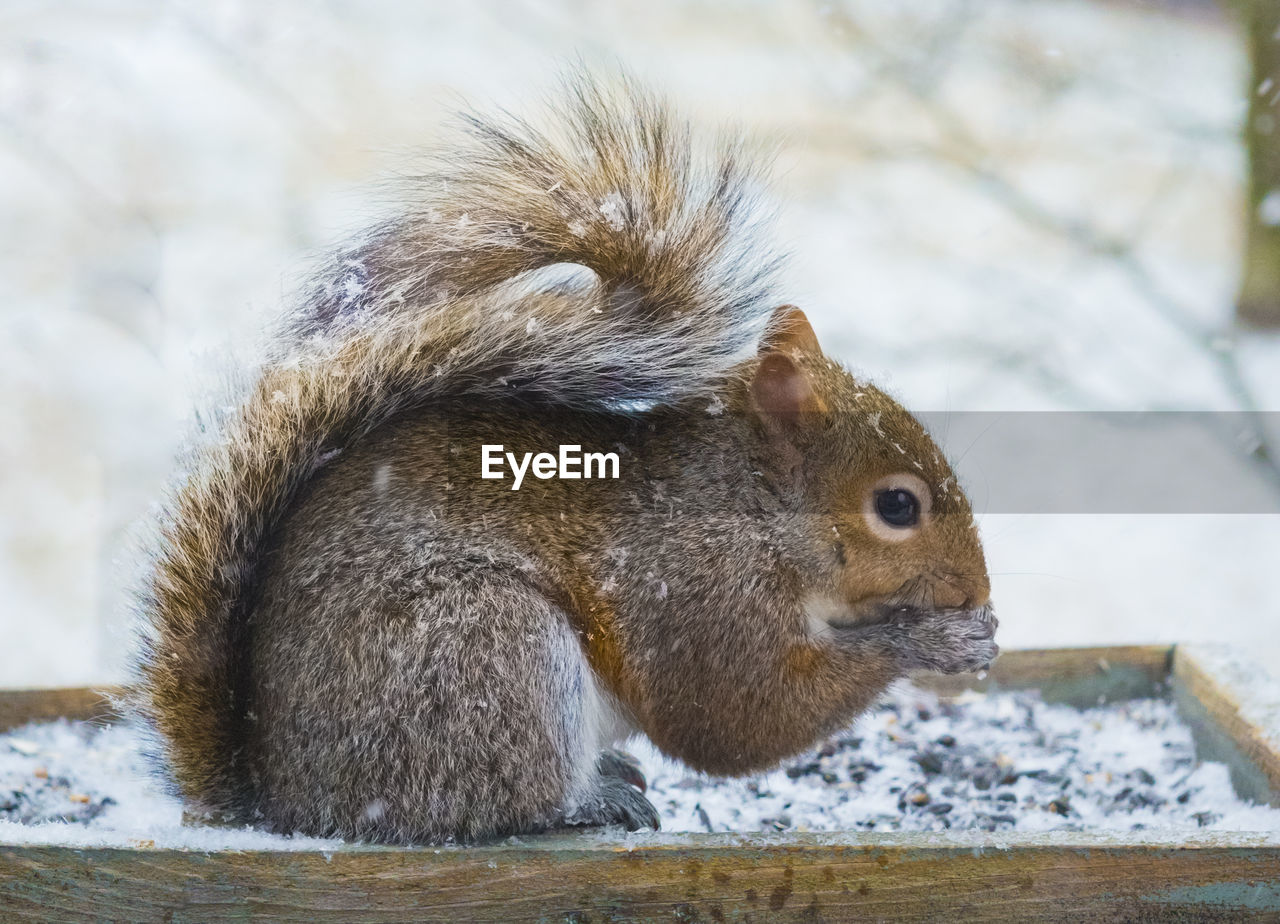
x=350, y=629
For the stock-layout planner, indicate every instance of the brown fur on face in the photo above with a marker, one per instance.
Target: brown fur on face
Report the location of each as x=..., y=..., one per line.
x=854, y=437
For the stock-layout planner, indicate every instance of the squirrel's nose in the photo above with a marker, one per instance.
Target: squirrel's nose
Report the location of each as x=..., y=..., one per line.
x=963, y=591
x=979, y=592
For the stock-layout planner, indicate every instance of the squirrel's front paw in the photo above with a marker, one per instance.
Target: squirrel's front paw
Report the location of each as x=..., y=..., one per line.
x=948, y=641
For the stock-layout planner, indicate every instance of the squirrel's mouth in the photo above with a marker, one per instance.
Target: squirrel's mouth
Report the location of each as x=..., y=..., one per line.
x=824, y=611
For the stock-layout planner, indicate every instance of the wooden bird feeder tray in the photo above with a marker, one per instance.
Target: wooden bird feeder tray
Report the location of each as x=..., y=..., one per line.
x=946, y=876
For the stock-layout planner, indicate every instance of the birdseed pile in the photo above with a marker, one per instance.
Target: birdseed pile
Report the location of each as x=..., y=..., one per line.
x=999, y=762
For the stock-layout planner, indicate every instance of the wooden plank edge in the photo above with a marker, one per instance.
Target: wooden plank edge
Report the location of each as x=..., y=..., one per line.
x=1077, y=675
x=749, y=881
x=1016, y=669
x=89, y=704
x=1241, y=701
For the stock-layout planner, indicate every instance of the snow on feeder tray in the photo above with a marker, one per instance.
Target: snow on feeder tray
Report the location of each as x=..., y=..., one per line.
x=959, y=797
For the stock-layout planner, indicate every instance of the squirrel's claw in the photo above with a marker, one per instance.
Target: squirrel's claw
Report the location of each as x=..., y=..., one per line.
x=623, y=766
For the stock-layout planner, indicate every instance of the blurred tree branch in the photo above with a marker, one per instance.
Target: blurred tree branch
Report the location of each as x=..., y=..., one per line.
x=1258, y=302
x=961, y=148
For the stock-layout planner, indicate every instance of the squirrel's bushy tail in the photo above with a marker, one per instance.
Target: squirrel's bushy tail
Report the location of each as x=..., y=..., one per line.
x=441, y=303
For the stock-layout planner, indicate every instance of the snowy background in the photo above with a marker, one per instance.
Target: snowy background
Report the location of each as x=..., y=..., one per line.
x=996, y=205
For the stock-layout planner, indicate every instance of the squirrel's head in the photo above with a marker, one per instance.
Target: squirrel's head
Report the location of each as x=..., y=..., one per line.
x=898, y=530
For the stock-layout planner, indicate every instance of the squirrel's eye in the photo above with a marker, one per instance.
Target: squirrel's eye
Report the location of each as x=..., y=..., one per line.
x=898, y=508
x=895, y=507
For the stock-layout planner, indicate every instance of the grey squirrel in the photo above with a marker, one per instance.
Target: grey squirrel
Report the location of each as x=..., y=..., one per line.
x=351, y=631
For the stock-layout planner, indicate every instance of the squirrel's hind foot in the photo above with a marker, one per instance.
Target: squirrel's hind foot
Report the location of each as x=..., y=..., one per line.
x=614, y=801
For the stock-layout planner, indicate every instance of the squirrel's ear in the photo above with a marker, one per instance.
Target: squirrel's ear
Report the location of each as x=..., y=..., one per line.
x=781, y=390
x=789, y=330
